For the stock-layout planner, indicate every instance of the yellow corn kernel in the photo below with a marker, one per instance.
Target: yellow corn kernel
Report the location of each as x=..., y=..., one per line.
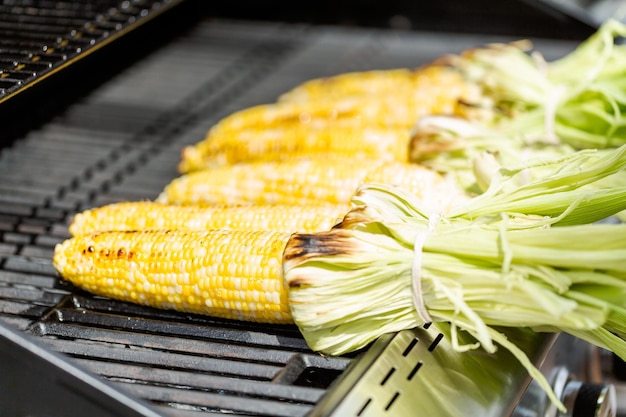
x=146, y=215
x=289, y=141
x=306, y=181
x=231, y=274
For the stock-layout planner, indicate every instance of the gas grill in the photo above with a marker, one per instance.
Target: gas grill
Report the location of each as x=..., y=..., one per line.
x=118, y=137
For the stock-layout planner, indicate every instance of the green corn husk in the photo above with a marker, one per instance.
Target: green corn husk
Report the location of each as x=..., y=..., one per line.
x=578, y=99
x=587, y=186
x=496, y=261
x=538, y=108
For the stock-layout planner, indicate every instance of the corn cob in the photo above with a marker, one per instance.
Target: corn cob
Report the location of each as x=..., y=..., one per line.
x=289, y=141
x=426, y=82
x=302, y=181
x=145, y=215
x=393, y=99
x=351, y=113
x=231, y=274
x=373, y=82
x=306, y=181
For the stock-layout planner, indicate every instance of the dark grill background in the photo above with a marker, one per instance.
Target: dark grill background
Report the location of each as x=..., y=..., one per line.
x=122, y=141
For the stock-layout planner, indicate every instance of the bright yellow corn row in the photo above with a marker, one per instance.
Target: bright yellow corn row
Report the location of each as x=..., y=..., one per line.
x=231, y=274
x=306, y=181
x=297, y=182
x=394, y=99
x=373, y=82
x=350, y=113
x=298, y=140
x=146, y=215
x=427, y=82
x=315, y=114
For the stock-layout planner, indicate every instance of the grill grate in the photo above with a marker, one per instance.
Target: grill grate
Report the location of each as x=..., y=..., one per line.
x=37, y=38
x=123, y=142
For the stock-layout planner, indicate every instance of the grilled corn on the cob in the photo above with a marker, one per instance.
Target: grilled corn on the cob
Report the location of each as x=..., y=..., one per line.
x=231, y=274
x=145, y=215
x=377, y=113
x=358, y=83
x=299, y=140
x=427, y=82
x=237, y=273
x=306, y=181
x=378, y=99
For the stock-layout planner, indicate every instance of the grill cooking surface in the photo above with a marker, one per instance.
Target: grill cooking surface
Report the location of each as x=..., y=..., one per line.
x=122, y=142
x=39, y=37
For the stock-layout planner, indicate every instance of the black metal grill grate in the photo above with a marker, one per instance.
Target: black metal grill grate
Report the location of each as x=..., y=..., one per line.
x=123, y=142
x=39, y=37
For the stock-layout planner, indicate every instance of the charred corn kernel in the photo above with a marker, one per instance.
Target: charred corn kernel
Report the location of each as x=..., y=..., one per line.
x=145, y=215
x=231, y=274
x=293, y=141
x=307, y=181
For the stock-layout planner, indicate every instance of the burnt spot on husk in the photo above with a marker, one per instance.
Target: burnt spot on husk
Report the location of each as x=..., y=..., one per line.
x=306, y=245
x=303, y=247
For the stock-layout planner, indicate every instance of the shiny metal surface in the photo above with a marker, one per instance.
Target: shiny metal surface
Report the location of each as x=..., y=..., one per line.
x=419, y=373
x=589, y=400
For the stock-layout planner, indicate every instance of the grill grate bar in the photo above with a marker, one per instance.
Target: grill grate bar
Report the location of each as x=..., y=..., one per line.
x=232, y=333
x=221, y=402
x=48, y=57
x=23, y=309
x=37, y=281
x=146, y=375
x=29, y=265
x=153, y=358
x=265, y=355
x=13, y=17
x=31, y=295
